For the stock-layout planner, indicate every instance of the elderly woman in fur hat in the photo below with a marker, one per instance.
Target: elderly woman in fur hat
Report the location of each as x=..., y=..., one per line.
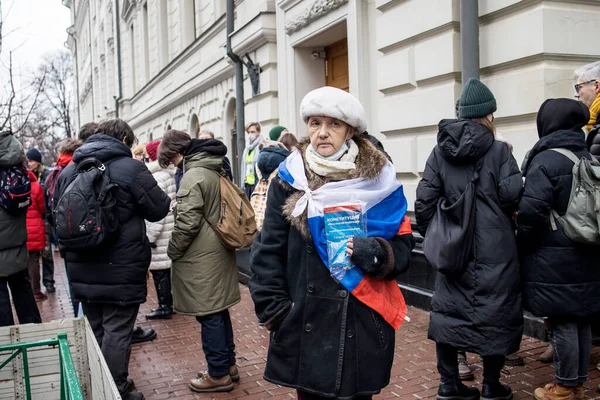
x=332, y=328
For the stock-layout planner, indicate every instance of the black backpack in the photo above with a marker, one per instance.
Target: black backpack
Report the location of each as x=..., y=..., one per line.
x=15, y=190
x=86, y=216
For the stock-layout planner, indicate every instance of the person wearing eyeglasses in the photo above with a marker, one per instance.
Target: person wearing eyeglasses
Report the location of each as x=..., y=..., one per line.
x=587, y=90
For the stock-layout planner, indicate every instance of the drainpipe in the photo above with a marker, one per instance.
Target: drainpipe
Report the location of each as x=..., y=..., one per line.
x=91, y=59
x=76, y=78
x=469, y=39
x=118, y=40
x=239, y=86
x=76, y=57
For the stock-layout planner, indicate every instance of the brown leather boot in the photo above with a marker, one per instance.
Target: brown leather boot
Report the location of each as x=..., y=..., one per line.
x=233, y=372
x=465, y=373
x=548, y=355
x=554, y=391
x=579, y=392
x=209, y=384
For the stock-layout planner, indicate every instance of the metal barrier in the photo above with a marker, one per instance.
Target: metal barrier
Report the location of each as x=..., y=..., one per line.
x=69, y=383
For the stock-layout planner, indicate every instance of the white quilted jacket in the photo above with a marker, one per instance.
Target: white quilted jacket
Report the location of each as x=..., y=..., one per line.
x=159, y=232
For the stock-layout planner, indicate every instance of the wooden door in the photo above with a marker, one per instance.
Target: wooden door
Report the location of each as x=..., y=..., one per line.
x=336, y=65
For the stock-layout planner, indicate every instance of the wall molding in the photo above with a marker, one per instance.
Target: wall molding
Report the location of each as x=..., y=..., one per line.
x=316, y=10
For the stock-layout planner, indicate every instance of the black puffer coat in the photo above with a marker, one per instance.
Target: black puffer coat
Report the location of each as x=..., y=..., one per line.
x=323, y=340
x=560, y=277
x=480, y=310
x=116, y=273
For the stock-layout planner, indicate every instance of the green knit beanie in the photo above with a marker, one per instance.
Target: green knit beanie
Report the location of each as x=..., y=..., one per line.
x=476, y=100
x=275, y=132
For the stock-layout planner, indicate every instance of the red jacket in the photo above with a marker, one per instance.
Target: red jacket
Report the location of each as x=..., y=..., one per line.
x=36, y=231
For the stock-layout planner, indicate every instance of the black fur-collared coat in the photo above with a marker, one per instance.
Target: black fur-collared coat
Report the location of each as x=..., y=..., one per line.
x=323, y=340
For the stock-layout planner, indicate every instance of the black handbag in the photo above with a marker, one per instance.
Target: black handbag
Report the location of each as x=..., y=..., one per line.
x=448, y=242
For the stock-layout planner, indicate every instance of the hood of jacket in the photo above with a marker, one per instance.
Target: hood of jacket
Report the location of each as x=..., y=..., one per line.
x=153, y=167
x=369, y=164
x=32, y=176
x=561, y=115
x=463, y=141
x=206, y=153
x=103, y=147
x=573, y=140
x=11, y=151
x=269, y=160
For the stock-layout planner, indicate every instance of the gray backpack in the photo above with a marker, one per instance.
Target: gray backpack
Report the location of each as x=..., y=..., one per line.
x=581, y=222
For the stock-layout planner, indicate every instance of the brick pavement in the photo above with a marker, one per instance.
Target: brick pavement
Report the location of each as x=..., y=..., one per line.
x=162, y=368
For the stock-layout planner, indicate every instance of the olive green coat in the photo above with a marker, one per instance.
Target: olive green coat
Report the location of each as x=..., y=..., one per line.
x=204, y=272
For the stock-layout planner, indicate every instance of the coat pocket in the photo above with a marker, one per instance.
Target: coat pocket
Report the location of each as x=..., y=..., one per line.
x=378, y=323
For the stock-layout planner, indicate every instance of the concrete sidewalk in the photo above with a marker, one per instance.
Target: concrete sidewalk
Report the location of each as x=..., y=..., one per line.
x=162, y=369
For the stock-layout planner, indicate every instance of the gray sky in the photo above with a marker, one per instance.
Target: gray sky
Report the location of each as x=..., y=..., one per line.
x=33, y=28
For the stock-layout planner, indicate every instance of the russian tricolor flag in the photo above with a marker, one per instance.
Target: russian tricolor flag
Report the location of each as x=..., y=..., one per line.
x=385, y=213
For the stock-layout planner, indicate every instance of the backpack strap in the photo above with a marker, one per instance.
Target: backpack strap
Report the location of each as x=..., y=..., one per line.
x=567, y=153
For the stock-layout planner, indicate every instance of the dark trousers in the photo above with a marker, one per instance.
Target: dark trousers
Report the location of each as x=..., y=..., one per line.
x=113, y=327
x=447, y=364
x=217, y=343
x=22, y=294
x=249, y=189
x=48, y=260
x=162, y=284
x=572, y=342
x=33, y=267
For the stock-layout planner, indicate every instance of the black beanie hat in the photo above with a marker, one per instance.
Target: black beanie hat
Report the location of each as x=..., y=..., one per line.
x=34, y=155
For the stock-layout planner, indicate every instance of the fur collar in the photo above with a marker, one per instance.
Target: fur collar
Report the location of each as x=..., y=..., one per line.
x=369, y=164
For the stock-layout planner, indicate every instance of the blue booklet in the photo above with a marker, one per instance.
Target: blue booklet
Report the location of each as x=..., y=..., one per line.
x=341, y=224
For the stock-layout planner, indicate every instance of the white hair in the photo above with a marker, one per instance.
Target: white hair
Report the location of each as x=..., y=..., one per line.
x=588, y=72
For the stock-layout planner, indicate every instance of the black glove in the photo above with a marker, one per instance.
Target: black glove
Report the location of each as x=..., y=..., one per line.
x=372, y=255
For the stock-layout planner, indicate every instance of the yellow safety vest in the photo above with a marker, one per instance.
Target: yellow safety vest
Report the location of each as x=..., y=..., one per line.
x=250, y=177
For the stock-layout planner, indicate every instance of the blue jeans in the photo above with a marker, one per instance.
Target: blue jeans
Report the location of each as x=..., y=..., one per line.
x=217, y=343
x=572, y=342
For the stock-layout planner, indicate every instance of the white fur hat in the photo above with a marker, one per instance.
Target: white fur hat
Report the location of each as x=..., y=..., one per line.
x=335, y=103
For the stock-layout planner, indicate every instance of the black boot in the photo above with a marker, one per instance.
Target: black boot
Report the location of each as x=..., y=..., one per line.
x=453, y=389
x=141, y=335
x=162, y=312
x=496, y=391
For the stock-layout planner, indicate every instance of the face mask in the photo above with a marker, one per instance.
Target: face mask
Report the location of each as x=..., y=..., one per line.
x=335, y=156
x=252, y=138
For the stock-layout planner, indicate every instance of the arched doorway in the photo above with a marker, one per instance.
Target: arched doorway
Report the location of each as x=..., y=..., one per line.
x=194, y=126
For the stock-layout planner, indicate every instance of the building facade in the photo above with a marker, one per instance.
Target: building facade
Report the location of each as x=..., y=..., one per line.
x=401, y=58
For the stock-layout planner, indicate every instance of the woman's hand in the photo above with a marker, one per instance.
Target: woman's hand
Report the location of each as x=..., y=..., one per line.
x=367, y=254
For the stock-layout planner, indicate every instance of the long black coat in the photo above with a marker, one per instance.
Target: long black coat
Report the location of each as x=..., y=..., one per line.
x=116, y=273
x=323, y=340
x=480, y=310
x=560, y=278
